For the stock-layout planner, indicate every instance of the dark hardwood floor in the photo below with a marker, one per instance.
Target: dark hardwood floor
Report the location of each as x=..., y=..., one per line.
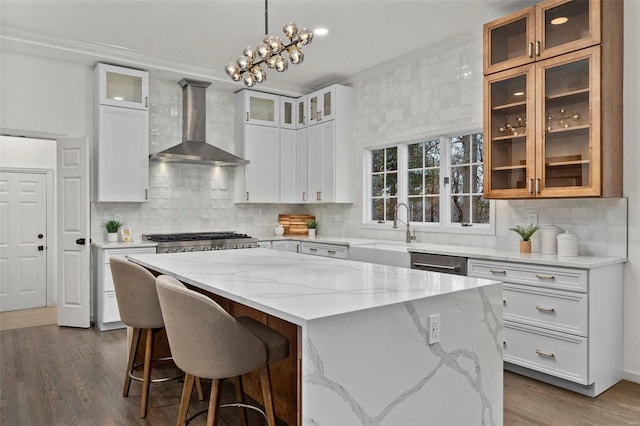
x=63, y=376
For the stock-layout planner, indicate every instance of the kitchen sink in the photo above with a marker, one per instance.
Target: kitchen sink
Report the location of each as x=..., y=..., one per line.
x=382, y=254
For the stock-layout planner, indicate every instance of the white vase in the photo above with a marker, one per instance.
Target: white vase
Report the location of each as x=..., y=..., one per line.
x=112, y=237
x=312, y=233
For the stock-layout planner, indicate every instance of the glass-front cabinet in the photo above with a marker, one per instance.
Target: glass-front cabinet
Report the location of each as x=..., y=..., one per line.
x=321, y=105
x=122, y=87
x=261, y=108
x=301, y=112
x=287, y=113
x=545, y=30
x=544, y=128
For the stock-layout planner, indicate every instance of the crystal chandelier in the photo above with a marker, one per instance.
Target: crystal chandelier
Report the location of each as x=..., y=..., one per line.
x=269, y=51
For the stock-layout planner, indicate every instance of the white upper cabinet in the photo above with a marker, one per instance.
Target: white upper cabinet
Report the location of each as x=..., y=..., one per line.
x=287, y=113
x=321, y=105
x=260, y=108
x=122, y=87
x=301, y=176
x=301, y=112
x=288, y=165
x=259, y=181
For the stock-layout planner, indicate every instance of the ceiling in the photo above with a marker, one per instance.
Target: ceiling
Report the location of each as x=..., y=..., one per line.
x=190, y=38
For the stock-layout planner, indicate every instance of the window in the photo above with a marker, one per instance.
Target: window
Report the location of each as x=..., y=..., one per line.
x=384, y=183
x=441, y=180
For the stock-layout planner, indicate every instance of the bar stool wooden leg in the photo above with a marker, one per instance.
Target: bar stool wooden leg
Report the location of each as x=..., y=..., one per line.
x=133, y=350
x=265, y=382
x=237, y=384
x=187, y=388
x=146, y=378
x=199, y=389
x=214, y=402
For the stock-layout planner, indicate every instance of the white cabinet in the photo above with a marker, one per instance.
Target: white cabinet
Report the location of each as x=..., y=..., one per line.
x=122, y=87
x=295, y=246
x=561, y=325
x=264, y=244
x=288, y=119
x=258, y=181
x=121, y=154
x=321, y=105
x=282, y=245
x=107, y=315
x=121, y=135
x=325, y=250
x=288, y=165
x=302, y=167
x=258, y=108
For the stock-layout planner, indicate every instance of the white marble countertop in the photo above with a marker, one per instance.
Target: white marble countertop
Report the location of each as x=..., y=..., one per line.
x=118, y=245
x=582, y=262
x=300, y=288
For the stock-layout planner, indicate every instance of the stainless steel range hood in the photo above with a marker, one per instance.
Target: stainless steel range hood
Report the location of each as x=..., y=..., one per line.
x=193, y=148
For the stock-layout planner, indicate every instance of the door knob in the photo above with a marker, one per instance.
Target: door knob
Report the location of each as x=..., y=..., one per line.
x=80, y=241
x=40, y=248
x=40, y=236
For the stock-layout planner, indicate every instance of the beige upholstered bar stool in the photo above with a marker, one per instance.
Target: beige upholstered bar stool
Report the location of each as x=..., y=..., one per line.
x=139, y=309
x=207, y=342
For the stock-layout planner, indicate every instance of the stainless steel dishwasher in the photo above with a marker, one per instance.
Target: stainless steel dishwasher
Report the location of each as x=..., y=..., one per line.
x=455, y=265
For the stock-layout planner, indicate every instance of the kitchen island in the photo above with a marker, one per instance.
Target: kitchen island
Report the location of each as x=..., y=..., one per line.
x=363, y=351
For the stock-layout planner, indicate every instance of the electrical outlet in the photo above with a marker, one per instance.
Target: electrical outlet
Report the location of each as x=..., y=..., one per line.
x=434, y=328
x=533, y=218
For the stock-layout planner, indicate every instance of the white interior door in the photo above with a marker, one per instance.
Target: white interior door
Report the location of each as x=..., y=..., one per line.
x=73, y=233
x=23, y=246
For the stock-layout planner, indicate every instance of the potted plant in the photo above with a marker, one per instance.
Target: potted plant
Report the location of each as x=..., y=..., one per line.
x=312, y=224
x=525, y=232
x=112, y=226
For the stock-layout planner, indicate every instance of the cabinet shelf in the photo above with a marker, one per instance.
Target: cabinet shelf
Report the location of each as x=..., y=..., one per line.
x=507, y=137
x=516, y=167
x=567, y=163
x=578, y=92
x=507, y=106
x=569, y=129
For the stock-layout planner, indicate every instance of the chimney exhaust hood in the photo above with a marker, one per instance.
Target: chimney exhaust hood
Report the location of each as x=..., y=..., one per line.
x=193, y=148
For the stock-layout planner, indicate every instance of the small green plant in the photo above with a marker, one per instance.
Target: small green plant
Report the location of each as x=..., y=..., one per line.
x=525, y=232
x=112, y=226
x=312, y=224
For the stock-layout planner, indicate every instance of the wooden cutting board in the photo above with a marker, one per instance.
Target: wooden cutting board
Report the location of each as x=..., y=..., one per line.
x=295, y=224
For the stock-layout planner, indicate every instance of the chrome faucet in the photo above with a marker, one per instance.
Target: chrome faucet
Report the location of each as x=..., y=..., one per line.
x=396, y=219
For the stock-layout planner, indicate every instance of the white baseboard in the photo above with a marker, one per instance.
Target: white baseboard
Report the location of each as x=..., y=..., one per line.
x=631, y=376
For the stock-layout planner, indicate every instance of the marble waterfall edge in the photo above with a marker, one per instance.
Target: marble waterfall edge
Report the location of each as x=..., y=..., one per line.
x=390, y=375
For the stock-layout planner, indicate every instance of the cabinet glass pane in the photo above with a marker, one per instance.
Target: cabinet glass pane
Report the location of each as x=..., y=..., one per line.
x=567, y=139
x=509, y=41
x=122, y=87
x=262, y=109
x=566, y=23
x=327, y=104
x=301, y=117
x=313, y=103
x=288, y=113
x=508, y=133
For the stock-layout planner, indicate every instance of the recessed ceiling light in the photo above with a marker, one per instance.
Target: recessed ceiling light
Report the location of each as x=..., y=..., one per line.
x=559, y=21
x=320, y=31
x=518, y=93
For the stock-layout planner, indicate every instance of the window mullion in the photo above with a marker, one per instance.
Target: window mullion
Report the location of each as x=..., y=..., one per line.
x=445, y=172
x=403, y=181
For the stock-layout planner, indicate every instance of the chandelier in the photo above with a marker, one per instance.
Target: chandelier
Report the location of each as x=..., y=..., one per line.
x=269, y=51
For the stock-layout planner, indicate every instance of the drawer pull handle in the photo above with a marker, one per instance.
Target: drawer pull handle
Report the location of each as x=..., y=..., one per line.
x=549, y=310
x=545, y=277
x=498, y=271
x=313, y=249
x=545, y=354
x=331, y=251
x=431, y=265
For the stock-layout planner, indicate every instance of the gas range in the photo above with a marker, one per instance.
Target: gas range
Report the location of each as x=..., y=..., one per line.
x=200, y=241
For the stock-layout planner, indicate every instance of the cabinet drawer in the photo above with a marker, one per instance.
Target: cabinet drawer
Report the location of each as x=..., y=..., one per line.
x=326, y=250
x=110, y=312
x=539, y=276
x=124, y=252
x=558, y=354
x=554, y=310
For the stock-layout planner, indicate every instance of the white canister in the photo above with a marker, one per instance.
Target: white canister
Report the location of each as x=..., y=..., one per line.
x=278, y=230
x=548, y=234
x=567, y=244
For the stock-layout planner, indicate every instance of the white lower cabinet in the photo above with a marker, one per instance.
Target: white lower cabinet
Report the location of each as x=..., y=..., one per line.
x=561, y=325
x=282, y=245
x=107, y=315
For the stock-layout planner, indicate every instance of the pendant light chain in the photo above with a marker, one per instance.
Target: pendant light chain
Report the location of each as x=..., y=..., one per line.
x=269, y=51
